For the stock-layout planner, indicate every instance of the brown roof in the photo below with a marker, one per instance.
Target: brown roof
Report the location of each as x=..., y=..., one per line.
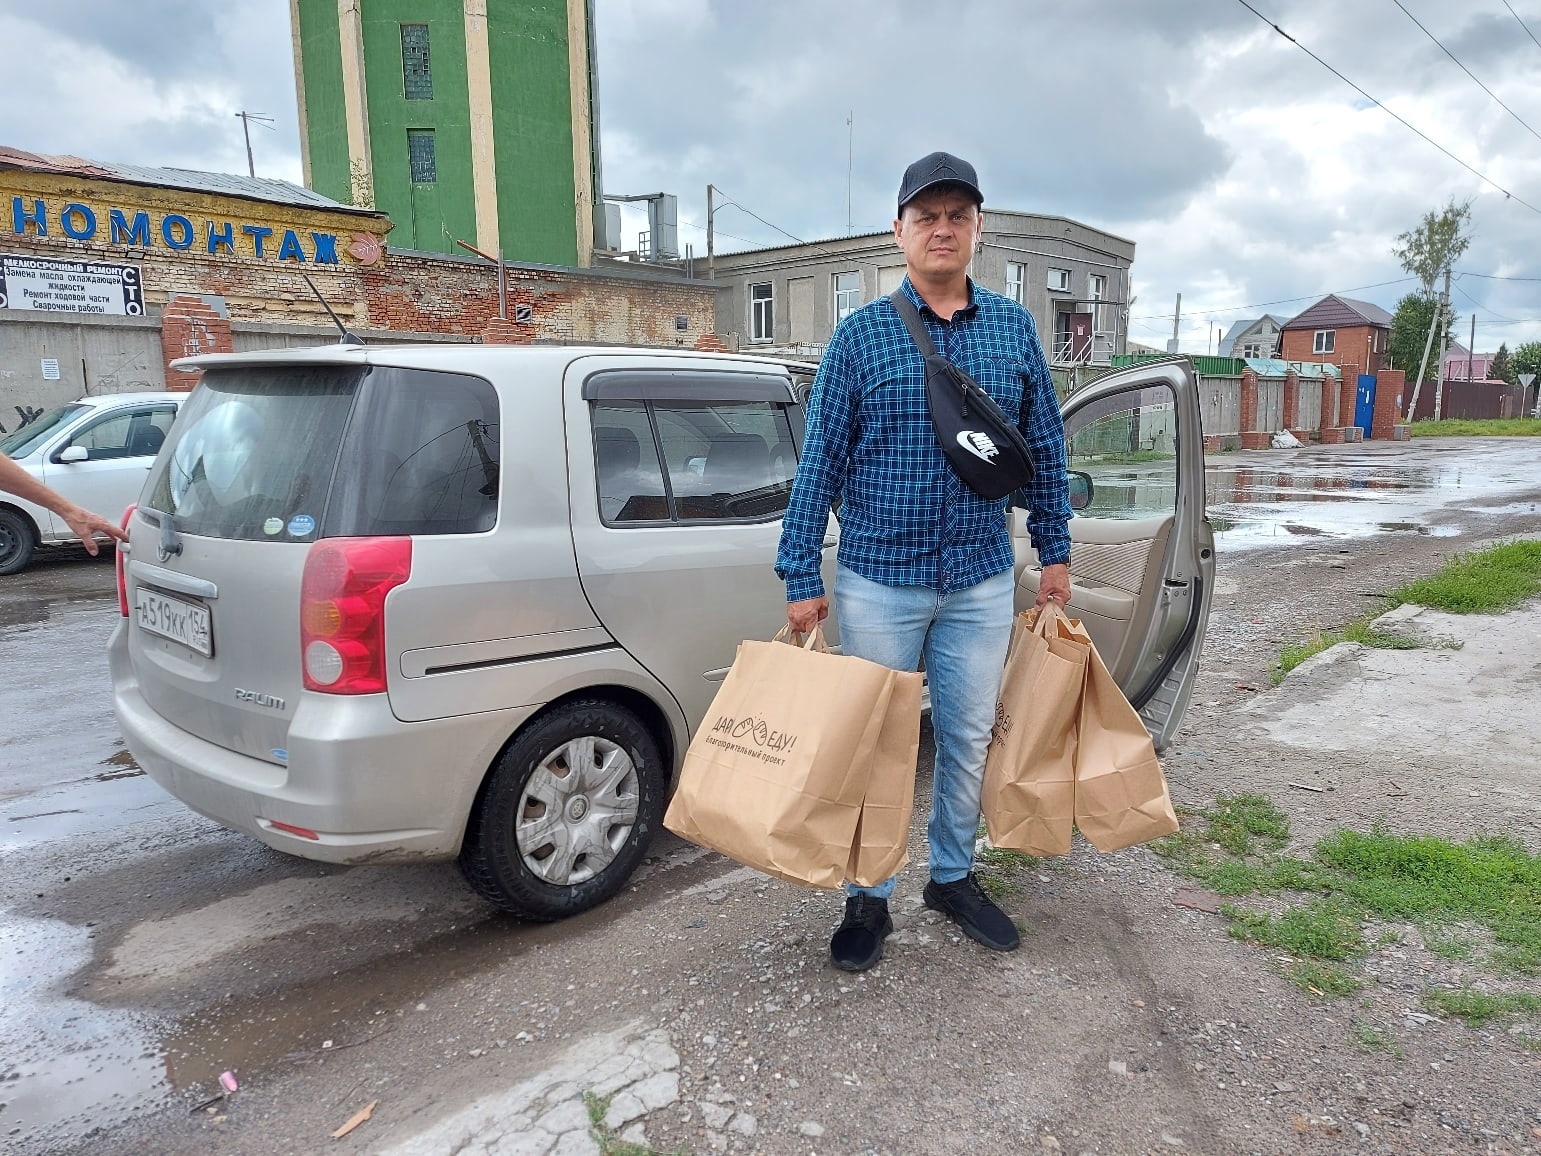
x=1334, y=312
x=17, y=159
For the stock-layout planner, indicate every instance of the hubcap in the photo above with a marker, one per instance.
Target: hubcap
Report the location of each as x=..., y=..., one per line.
x=577, y=811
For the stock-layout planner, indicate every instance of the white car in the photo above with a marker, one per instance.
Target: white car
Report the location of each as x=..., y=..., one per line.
x=95, y=451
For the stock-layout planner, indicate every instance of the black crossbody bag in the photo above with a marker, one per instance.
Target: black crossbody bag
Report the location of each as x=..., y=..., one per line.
x=983, y=446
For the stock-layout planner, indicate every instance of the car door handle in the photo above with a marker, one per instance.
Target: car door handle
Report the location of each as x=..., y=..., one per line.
x=828, y=542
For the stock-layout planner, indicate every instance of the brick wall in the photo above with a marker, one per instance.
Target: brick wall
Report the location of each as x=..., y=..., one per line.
x=1389, y=387
x=191, y=326
x=370, y=288
x=1353, y=348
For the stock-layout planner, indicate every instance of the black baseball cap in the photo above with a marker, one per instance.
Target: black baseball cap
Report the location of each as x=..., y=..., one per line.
x=938, y=169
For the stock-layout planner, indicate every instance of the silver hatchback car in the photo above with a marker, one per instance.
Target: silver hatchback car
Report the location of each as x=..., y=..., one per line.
x=412, y=603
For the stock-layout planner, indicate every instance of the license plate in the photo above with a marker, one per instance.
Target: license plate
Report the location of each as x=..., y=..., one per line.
x=172, y=618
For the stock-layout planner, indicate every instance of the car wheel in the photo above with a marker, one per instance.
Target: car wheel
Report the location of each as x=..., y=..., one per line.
x=567, y=814
x=16, y=542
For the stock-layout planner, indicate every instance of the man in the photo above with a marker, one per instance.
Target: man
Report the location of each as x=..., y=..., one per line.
x=15, y=480
x=925, y=563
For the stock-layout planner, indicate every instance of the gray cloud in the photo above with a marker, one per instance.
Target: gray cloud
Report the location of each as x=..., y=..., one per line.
x=1244, y=171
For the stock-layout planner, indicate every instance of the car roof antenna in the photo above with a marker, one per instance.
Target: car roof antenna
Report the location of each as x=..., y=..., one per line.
x=347, y=337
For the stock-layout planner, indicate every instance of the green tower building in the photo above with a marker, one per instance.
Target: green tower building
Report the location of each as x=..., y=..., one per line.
x=465, y=120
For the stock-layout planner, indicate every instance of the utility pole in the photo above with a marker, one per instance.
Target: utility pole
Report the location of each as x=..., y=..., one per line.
x=711, y=238
x=246, y=119
x=1444, y=346
x=1471, y=346
x=1428, y=344
x=1177, y=314
x=850, y=156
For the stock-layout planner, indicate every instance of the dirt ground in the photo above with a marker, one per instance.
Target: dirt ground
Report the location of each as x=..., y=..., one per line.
x=704, y=1002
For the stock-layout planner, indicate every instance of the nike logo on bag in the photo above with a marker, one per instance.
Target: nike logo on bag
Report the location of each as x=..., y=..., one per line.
x=979, y=445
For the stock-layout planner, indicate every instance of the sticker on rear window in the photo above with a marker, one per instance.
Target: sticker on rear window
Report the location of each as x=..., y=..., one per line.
x=272, y=526
x=300, y=525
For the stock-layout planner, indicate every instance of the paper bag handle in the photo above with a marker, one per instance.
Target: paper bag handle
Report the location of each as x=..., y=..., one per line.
x=814, y=640
x=1046, y=618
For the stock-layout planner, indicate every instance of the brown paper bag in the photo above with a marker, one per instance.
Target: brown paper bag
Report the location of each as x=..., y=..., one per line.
x=1029, y=789
x=882, y=841
x=1120, y=794
x=780, y=769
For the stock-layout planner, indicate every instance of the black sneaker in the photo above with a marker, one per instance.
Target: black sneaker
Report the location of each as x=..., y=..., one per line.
x=858, y=942
x=967, y=905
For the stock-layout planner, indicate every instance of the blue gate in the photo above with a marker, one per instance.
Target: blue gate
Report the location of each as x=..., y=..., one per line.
x=1364, y=403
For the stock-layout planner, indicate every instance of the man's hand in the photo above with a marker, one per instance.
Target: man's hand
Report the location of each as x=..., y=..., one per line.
x=87, y=525
x=1054, y=584
x=803, y=617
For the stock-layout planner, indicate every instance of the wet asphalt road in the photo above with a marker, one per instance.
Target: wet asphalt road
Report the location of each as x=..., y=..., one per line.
x=144, y=950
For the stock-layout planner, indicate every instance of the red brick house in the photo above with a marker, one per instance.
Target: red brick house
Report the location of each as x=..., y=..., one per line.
x=1353, y=335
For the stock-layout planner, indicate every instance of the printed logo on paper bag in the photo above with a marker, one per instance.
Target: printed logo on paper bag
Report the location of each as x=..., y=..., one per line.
x=753, y=737
x=1002, y=726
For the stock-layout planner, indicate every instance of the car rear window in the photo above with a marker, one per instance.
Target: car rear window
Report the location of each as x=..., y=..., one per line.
x=295, y=453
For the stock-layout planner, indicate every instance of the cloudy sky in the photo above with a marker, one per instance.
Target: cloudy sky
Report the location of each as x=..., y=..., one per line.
x=1250, y=177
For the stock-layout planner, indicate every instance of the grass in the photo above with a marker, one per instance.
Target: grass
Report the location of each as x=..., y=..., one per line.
x=1372, y=1039
x=1353, y=878
x=993, y=866
x=1359, y=631
x=1448, y=944
x=610, y=1144
x=1323, y=980
x=1486, y=582
x=1475, y=1008
x=1478, y=427
x=1320, y=929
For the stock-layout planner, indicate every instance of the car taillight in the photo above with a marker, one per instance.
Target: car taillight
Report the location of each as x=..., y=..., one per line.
x=120, y=562
x=342, y=611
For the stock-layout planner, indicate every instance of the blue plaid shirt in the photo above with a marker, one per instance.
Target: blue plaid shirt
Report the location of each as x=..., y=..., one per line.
x=905, y=517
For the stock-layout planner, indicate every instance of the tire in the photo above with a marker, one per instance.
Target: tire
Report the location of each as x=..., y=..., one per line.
x=516, y=858
x=17, y=541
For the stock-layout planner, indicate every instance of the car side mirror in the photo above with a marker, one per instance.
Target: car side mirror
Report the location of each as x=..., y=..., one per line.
x=1081, y=490
x=74, y=454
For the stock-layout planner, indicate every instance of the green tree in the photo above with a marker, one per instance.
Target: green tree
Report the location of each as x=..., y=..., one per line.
x=1503, y=367
x=1435, y=245
x=1527, y=359
x=1409, y=331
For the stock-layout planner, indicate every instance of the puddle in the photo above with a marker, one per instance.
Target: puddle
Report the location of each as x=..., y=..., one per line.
x=124, y=767
x=1327, y=494
x=66, y=1063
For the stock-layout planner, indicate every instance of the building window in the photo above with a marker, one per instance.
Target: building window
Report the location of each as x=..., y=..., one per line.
x=1252, y=349
x=1059, y=280
x=847, y=295
x=762, y=313
x=420, y=156
x=1098, y=288
x=416, y=75
x=1016, y=274
x=1324, y=341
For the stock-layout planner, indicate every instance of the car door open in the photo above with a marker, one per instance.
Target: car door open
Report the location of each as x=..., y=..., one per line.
x=1142, y=551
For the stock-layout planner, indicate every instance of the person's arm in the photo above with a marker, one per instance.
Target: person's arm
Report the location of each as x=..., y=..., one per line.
x=821, y=469
x=1048, y=494
x=84, y=523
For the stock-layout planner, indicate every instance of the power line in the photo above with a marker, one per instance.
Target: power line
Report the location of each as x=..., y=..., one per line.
x=1265, y=304
x=1522, y=24
x=1496, y=277
x=1479, y=305
x=1466, y=70
x=1480, y=176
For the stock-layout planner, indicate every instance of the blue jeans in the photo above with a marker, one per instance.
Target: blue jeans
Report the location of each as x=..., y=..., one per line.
x=963, y=637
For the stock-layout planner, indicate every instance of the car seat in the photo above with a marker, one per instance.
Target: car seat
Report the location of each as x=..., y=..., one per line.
x=737, y=463
x=146, y=440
